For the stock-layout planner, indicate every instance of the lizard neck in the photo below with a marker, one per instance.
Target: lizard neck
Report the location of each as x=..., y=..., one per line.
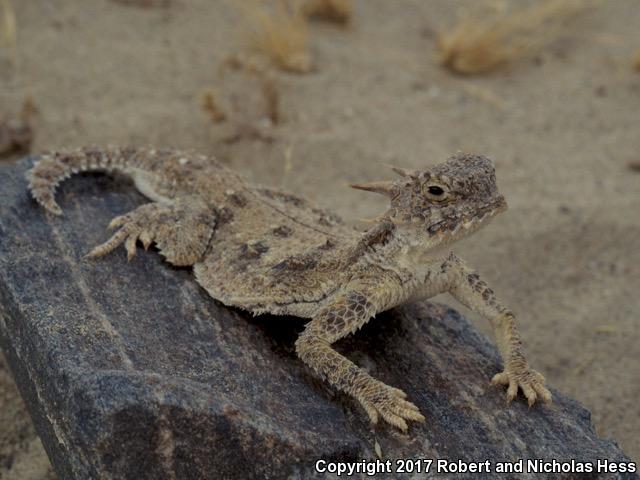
x=387, y=243
x=416, y=250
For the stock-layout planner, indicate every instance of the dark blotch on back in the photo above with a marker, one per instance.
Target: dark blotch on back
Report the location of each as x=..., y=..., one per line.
x=282, y=231
x=285, y=197
x=237, y=200
x=329, y=244
x=326, y=219
x=292, y=199
x=253, y=250
x=297, y=263
x=223, y=215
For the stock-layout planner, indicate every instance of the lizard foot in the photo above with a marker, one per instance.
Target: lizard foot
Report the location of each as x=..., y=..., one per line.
x=137, y=224
x=181, y=230
x=529, y=381
x=380, y=400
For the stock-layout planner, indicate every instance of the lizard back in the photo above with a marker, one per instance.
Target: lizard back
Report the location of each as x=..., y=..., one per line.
x=274, y=251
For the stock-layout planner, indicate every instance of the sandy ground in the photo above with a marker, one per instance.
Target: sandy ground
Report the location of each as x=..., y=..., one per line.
x=562, y=128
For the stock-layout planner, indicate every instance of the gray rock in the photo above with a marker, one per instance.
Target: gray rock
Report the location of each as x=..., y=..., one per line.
x=131, y=370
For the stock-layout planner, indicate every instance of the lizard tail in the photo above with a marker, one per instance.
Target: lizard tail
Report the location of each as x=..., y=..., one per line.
x=53, y=168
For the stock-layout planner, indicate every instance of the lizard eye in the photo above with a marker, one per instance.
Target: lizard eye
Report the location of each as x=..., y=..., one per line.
x=435, y=193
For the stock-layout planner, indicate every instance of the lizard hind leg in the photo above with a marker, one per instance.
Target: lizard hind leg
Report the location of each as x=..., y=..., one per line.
x=181, y=230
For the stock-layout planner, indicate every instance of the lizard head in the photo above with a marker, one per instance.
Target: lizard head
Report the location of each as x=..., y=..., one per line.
x=445, y=202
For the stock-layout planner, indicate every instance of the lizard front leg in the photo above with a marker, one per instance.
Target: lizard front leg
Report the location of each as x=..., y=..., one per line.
x=342, y=317
x=466, y=286
x=181, y=229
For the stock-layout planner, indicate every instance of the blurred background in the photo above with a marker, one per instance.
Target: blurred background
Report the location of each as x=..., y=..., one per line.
x=309, y=96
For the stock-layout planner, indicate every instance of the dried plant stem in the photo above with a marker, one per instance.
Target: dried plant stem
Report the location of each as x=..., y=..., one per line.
x=9, y=29
x=211, y=105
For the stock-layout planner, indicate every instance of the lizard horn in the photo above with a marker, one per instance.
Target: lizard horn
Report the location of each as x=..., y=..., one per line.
x=384, y=188
x=403, y=172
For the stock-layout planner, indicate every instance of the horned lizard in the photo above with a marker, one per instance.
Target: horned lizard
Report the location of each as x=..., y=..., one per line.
x=264, y=250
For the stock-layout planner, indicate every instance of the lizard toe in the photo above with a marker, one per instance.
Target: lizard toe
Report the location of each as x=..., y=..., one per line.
x=380, y=400
x=543, y=392
x=529, y=393
x=512, y=391
x=530, y=382
x=500, y=379
x=395, y=420
x=110, y=245
x=374, y=416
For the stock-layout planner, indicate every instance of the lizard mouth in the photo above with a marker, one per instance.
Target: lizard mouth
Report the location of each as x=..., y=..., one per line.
x=457, y=228
x=490, y=211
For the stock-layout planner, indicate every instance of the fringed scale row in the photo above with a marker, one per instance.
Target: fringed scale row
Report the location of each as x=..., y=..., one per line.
x=53, y=168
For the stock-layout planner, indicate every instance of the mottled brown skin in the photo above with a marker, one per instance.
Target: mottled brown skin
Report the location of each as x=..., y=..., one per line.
x=269, y=251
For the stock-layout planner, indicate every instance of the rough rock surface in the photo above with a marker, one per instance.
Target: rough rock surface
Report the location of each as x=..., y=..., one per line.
x=131, y=370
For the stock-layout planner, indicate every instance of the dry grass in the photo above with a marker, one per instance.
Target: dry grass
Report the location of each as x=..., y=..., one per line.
x=336, y=11
x=279, y=30
x=636, y=62
x=477, y=45
x=271, y=96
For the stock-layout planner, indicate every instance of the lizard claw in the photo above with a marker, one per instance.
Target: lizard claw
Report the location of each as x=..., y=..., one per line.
x=134, y=225
x=380, y=400
x=529, y=381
